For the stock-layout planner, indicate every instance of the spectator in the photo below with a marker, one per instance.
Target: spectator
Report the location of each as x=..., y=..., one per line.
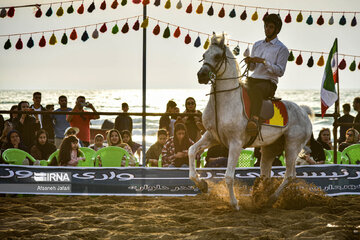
x=99, y=142
x=135, y=147
x=352, y=137
x=165, y=121
x=8, y=125
x=42, y=148
x=114, y=139
x=324, y=139
x=175, y=150
x=73, y=131
x=82, y=122
x=13, y=140
x=154, y=152
x=26, y=124
x=257, y=155
x=124, y=121
x=46, y=120
x=193, y=124
x=356, y=106
x=69, y=154
x=217, y=156
x=312, y=153
x=12, y=115
x=60, y=121
x=346, y=118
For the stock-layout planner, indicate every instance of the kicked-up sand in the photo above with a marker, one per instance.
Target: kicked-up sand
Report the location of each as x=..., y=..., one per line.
x=298, y=214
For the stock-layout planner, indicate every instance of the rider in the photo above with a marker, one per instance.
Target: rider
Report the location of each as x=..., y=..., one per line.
x=268, y=61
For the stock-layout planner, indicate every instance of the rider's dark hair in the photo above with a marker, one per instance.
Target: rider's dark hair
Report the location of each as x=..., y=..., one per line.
x=275, y=19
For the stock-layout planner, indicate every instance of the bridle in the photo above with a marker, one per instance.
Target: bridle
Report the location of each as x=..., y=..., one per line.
x=214, y=76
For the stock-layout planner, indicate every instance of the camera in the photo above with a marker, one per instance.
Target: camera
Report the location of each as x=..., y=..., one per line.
x=85, y=104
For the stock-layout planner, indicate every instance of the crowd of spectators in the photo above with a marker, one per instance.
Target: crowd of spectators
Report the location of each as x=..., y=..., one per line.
x=42, y=134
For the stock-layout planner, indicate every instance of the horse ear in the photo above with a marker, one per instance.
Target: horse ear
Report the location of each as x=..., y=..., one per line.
x=222, y=42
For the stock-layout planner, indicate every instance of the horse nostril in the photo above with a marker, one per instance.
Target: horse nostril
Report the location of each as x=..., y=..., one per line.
x=202, y=74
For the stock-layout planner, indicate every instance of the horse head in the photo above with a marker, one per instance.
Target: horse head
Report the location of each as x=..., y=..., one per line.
x=213, y=59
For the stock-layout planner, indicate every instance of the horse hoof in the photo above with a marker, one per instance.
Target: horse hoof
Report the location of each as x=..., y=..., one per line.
x=203, y=186
x=271, y=201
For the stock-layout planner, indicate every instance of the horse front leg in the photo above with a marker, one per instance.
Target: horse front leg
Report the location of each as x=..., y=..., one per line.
x=206, y=141
x=234, y=153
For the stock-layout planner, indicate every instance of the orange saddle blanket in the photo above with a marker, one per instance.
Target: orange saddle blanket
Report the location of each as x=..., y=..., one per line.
x=280, y=117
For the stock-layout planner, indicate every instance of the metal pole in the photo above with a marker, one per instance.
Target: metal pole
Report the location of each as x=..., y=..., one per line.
x=144, y=91
x=337, y=108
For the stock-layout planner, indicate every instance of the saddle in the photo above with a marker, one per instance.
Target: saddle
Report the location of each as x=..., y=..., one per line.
x=273, y=111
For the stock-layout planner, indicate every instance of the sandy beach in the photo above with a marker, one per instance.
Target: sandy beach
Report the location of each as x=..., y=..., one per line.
x=206, y=216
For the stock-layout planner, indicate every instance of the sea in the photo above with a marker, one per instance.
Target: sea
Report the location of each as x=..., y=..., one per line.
x=110, y=100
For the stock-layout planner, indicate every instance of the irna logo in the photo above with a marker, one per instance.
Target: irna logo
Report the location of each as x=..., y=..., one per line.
x=52, y=177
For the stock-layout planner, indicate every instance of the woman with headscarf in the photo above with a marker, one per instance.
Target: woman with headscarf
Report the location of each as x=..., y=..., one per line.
x=114, y=139
x=193, y=124
x=13, y=140
x=352, y=137
x=175, y=150
x=8, y=125
x=324, y=139
x=42, y=148
x=135, y=147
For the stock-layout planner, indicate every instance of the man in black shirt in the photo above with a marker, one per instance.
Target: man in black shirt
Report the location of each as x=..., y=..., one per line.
x=124, y=121
x=346, y=118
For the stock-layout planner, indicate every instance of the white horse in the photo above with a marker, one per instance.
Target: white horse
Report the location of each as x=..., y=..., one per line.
x=225, y=122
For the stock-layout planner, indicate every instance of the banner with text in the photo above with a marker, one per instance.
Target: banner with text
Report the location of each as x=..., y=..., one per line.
x=138, y=181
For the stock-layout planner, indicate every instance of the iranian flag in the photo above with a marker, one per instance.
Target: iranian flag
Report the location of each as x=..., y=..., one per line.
x=330, y=78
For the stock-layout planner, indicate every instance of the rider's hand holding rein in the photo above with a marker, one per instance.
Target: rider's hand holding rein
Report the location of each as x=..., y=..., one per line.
x=249, y=60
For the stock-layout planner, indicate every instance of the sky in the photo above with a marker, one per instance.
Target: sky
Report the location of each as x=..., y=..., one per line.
x=115, y=61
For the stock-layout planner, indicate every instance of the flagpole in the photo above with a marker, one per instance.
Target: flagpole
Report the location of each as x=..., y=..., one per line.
x=337, y=106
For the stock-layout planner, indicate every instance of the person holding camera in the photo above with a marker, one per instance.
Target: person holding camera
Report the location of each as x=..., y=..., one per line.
x=82, y=122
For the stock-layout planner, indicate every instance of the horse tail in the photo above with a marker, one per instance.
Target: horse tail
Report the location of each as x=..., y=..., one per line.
x=309, y=112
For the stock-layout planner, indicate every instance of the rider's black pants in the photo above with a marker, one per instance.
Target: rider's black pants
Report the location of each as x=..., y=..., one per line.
x=258, y=90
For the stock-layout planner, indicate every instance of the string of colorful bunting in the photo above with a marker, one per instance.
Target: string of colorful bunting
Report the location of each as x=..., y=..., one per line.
x=166, y=34
x=10, y=11
x=255, y=16
x=73, y=35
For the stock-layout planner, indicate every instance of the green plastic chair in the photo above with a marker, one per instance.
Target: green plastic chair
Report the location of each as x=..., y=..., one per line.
x=282, y=159
x=54, y=155
x=16, y=156
x=44, y=163
x=351, y=154
x=89, y=153
x=202, y=159
x=111, y=157
x=246, y=159
x=160, y=161
x=329, y=157
x=332, y=157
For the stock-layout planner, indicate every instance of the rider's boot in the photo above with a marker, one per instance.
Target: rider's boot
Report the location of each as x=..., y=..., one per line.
x=252, y=126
